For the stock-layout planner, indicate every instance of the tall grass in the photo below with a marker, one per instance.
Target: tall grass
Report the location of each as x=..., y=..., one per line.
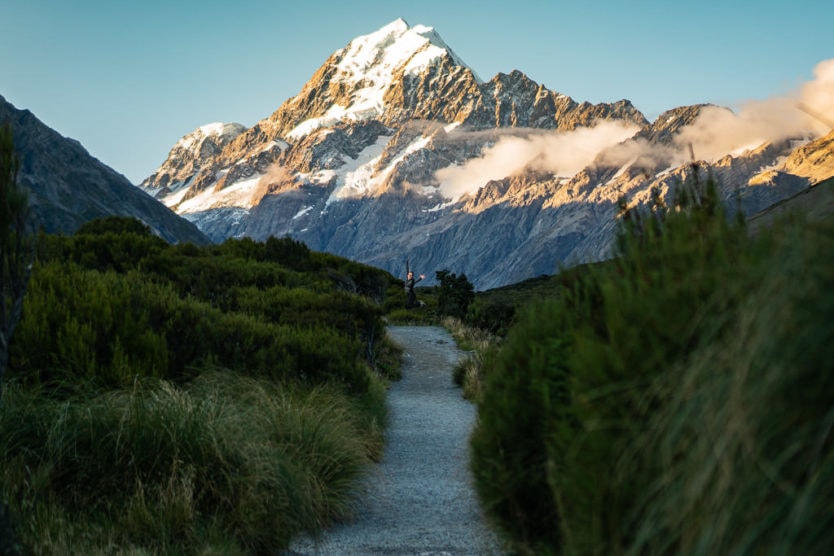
x=469, y=371
x=675, y=401
x=226, y=463
x=744, y=445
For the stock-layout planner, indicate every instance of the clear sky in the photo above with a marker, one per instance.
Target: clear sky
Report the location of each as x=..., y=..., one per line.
x=129, y=78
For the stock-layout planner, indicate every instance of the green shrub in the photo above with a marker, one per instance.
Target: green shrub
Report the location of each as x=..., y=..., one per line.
x=523, y=398
x=495, y=317
x=119, y=435
x=211, y=278
x=742, y=449
x=117, y=225
x=581, y=377
x=114, y=243
x=82, y=325
x=455, y=293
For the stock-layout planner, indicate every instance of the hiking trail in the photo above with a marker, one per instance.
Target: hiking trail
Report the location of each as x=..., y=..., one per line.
x=419, y=498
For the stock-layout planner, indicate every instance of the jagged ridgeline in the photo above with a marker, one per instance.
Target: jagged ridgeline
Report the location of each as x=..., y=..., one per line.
x=396, y=146
x=167, y=396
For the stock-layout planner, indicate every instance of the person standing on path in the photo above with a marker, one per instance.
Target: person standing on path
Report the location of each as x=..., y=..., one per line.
x=410, y=282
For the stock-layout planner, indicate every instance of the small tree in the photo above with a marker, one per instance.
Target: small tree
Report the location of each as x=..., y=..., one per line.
x=16, y=245
x=456, y=293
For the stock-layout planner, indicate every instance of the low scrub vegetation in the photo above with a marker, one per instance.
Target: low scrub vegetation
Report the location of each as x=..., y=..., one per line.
x=175, y=399
x=676, y=400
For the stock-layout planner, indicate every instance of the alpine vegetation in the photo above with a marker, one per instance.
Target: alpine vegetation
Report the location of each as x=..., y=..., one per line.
x=182, y=399
x=674, y=400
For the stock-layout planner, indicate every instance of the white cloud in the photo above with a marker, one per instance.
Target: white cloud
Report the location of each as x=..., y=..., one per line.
x=806, y=112
x=560, y=153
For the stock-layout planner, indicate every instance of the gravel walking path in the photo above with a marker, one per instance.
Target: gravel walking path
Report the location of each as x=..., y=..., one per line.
x=420, y=500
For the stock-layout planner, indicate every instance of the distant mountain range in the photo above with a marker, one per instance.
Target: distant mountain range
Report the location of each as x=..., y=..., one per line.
x=396, y=149
x=67, y=187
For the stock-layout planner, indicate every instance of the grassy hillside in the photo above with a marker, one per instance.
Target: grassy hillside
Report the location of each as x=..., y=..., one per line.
x=180, y=399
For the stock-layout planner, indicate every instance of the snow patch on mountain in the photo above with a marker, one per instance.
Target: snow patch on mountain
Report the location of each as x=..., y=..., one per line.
x=334, y=115
x=302, y=212
x=362, y=177
x=242, y=194
x=357, y=176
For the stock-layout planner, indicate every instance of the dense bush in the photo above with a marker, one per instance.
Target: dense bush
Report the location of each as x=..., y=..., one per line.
x=495, y=317
x=113, y=243
x=455, y=293
x=120, y=434
x=590, y=408
x=742, y=449
x=108, y=328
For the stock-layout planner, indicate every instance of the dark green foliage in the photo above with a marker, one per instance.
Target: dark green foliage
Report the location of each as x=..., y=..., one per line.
x=84, y=325
x=116, y=303
x=353, y=316
x=9, y=546
x=593, y=399
x=108, y=328
x=495, y=317
x=495, y=310
x=120, y=252
x=287, y=252
x=16, y=245
x=455, y=293
x=741, y=449
x=211, y=277
x=524, y=395
x=112, y=243
x=116, y=225
x=107, y=442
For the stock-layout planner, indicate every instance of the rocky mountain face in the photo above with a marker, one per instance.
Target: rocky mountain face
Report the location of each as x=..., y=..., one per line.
x=67, y=187
x=395, y=148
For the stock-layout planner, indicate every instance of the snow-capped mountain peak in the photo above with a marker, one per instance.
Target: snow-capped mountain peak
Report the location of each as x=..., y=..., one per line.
x=370, y=64
x=191, y=151
x=395, y=148
x=219, y=130
x=378, y=55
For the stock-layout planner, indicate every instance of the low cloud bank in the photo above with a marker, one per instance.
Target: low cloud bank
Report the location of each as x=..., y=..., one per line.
x=806, y=112
x=560, y=153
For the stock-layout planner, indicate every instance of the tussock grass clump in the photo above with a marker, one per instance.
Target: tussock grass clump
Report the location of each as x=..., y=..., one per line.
x=468, y=338
x=227, y=461
x=674, y=401
x=744, y=446
x=469, y=372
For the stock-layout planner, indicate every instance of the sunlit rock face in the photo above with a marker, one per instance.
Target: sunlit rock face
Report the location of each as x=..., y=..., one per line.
x=396, y=148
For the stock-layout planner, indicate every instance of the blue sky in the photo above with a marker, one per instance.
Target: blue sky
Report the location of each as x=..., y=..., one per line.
x=128, y=79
